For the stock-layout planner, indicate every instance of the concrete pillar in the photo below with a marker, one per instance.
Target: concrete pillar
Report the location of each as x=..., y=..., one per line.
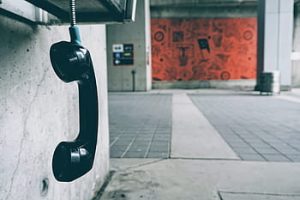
x=275, y=37
x=138, y=33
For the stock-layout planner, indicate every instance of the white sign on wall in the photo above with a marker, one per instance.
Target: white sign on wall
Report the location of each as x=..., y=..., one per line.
x=118, y=48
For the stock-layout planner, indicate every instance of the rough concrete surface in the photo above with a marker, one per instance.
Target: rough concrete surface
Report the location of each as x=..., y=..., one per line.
x=198, y=179
x=137, y=33
x=38, y=111
x=230, y=84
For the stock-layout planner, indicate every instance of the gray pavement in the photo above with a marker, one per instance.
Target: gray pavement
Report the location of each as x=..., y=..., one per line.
x=225, y=145
x=259, y=128
x=181, y=179
x=255, y=196
x=193, y=136
x=140, y=125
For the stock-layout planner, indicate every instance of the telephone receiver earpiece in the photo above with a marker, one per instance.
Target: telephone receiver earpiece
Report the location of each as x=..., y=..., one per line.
x=72, y=62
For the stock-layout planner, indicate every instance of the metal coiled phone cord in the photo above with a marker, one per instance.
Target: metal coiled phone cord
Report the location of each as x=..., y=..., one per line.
x=73, y=12
x=74, y=30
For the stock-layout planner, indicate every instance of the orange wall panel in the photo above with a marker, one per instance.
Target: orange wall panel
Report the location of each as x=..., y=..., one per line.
x=204, y=49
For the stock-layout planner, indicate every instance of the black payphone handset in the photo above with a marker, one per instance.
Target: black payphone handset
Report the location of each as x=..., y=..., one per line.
x=72, y=62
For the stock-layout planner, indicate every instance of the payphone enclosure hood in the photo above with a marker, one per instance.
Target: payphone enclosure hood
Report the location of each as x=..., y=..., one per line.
x=89, y=11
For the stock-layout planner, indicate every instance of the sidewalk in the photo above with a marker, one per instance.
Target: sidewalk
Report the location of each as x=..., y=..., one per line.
x=224, y=145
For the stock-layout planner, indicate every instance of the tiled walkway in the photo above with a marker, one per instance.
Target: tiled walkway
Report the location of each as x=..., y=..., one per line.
x=140, y=125
x=259, y=128
x=214, y=135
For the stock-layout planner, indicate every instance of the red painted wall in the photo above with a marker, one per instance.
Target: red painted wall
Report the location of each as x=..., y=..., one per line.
x=204, y=49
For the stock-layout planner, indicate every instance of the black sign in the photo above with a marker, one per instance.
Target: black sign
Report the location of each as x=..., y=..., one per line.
x=203, y=44
x=123, y=54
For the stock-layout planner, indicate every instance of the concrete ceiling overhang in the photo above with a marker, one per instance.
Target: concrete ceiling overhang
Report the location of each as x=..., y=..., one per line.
x=201, y=3
x=203, y=8
x=90, y=11
x=297, y=2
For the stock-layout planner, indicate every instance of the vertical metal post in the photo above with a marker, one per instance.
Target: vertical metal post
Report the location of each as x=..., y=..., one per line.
x=133, y=72
x=261, y=13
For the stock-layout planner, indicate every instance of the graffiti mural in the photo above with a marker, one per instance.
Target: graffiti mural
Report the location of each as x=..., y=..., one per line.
x=204, y=49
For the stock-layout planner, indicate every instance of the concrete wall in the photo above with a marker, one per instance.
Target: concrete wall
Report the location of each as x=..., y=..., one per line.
x=204, y=12
x=278, y=32
x=198, y=11
x=137, y=33
x=148, y=45
x=232, y=84
x=38, y=110
x=227, y=50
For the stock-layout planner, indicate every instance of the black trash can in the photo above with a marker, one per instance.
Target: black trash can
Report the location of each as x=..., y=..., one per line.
x=270, y=82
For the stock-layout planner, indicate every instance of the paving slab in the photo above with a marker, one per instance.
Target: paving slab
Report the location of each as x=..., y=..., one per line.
x=192, y=135
x=182, y=179
x=140, y=125
x=252, y=124
x=294, y=99
x=237, y=196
